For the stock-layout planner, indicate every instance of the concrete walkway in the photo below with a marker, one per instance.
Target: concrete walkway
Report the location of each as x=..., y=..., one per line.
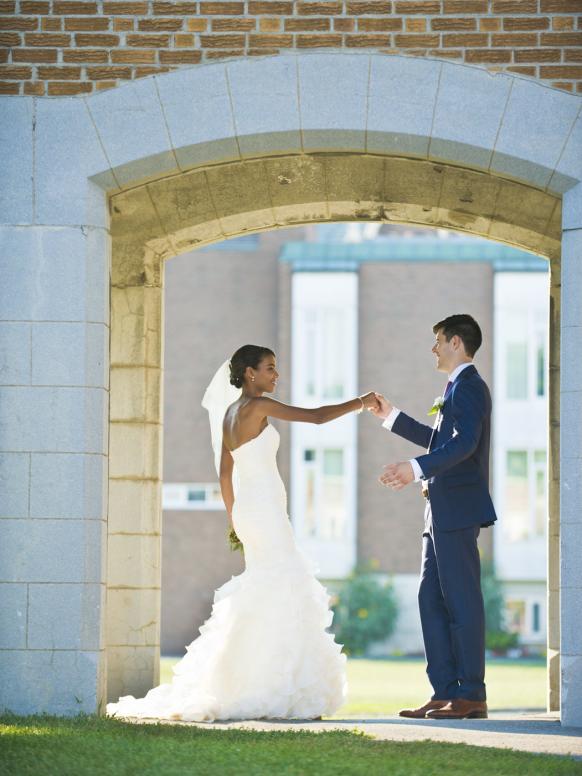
x=540, y=733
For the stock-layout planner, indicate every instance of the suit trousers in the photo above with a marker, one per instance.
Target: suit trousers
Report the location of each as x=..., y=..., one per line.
x=452, y=612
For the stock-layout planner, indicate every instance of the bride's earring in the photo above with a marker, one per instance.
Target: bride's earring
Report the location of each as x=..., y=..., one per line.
x=253, y=378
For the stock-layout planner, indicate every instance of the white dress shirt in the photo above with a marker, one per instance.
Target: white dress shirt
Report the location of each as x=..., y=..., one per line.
x=389, y=422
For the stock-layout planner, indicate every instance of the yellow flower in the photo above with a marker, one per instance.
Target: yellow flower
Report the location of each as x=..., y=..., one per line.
x=362, y=614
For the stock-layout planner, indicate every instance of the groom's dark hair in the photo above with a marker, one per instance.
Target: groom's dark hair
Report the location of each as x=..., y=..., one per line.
x=465, y=327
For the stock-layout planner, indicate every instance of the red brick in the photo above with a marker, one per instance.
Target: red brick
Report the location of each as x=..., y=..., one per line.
x=266, y=23
x=9, y=87
x=561, y=38
x=56, y=88
x=270, y=8
x=180, y=57
x=18, y=23
x=572, y=55
x=95, y=23
x=222, y=9
x=126, y=9
x=46, y=39
x=121, y=24
x=319, y=41
x=261, y=52
x=34, y=55
x=363, y=41
x=272, y=41
x=454, y=23
x=143, y=72
x=74, y=8
x=59, y=73
x=148, y=41
x=27, y=6
x=423, y=8
x=301, y=25
x=315, y=9
x=222, y=41
x=488, y=55
x=522, y=70
x=175, y=9
x=561, y=71
x=464, y=40
x=9, y=39
x=226, y=53
x=51, y=23
x=102, y=73
x=96, y=40
x=515, y=39
x=15, y=73
x=422, y=41
x=97, y=56
x=7, y=6
x=159, y=25
x=562, y=23
x=135, y=57
x=560, y=6
x=465, y=6
x=233, y=25
x=526, y=23
x=359, y=8
x=515, y=6
x=537, y=55
x=381, y=24
x=34, y=88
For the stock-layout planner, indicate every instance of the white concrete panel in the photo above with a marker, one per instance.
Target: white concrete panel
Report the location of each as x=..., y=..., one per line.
x=51, y=550
x=571, y=424
x=68, y=153
x=333, y=93
x=571, y=690
x=534, y=129
x=72, y=486
x=15, y=353
x=13, y=609
x=54, y=419
x=16, y=154
x=572, y=207
x=568, y=171
x=14, y=484
x=133, y=130
x=199, y=114
x=70, y=354
x=266, y=109
x=401, y=104
x=66, y=616
x=467, y=115
x=571, y=301
x=63, y=682
x=570, y=488
x=571, y=368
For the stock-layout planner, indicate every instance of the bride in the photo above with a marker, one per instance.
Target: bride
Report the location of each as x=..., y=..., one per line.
x=264, y=652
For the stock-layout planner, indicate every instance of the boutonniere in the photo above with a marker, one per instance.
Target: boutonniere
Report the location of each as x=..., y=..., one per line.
x=437, y=405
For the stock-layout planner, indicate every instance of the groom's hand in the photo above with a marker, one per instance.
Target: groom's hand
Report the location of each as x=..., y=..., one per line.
x=397, y=475
x=383, y=409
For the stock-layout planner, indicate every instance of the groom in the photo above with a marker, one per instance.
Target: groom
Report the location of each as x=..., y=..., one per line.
x=454, y=474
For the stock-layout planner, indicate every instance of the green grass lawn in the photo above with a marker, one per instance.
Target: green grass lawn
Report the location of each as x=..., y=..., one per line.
x=381, y=687
x=87, y=746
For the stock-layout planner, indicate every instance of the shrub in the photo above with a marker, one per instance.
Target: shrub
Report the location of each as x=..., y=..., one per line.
x=497, y=637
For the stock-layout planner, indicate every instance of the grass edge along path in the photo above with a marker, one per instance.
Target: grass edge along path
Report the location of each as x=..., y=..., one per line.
x=88, y=745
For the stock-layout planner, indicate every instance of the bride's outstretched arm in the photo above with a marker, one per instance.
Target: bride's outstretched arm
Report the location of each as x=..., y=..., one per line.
x=226, y=489
x=276, y=409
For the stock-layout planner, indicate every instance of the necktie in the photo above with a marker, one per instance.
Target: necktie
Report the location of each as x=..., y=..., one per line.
x=447, y=389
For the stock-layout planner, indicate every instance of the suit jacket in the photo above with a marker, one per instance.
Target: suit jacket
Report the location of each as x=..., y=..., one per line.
x=457, y=462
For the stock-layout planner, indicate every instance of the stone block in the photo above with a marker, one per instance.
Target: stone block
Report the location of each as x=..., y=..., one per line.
x=568, y=172
x=134, y=561
x=133, y=617
x=464, y=130
x=132, y=670
x=297, y=189
x=199, y=115
x=52, y=550
x=571, y=368
x=333, y=92
x=16, y=154
x=571, y=691
x=401, y=105
x=265, y=105
x=72, y=486
x=70, y=354
x=132, y=129
x=534, y=129
x=571, y=301
x=14, y=484
x=13, y=609
x=136, y=394
x=64, y=683
x=135, y=450
x=66, y=616
x=241, y=197
x=572, y=208
x=570, y=436
x=54, y=419
x=15, y=353
x=134, y=506
x=72, y=173
x=136, y=326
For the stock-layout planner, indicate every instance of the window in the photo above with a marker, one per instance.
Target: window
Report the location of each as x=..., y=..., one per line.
x=192, y=496
x=525, y=508
x=515, y=616
x=325, y=505
x=525, y=336
x=517, y=370
x=536, y=618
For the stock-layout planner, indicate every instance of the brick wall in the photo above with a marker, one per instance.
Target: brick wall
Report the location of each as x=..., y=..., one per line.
x=56, y=47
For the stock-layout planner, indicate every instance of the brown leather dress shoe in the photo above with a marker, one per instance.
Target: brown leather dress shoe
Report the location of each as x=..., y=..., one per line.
x=460, y=708
x=420, y=713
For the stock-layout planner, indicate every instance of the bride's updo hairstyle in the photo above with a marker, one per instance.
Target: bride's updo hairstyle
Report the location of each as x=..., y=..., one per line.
x=248, y=355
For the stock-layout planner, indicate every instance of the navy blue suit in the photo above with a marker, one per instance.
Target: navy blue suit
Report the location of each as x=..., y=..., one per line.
x=450, y=599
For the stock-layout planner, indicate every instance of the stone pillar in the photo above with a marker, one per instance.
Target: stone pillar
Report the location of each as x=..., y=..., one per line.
x=135, y=450
x=553, y=567
x=571, y=461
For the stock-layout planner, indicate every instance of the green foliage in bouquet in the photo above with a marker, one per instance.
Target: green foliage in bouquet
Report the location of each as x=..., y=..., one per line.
x=365, y=611
x=497, y=637
x=234, y=542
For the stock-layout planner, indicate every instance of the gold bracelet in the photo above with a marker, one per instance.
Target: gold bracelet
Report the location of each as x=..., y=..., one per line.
x=362, y=407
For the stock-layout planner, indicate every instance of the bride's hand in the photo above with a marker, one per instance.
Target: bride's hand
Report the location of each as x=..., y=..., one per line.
x=383, y=407
x=370, y=401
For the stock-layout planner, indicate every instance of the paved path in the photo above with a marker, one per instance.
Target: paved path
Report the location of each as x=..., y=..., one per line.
x=540, y=732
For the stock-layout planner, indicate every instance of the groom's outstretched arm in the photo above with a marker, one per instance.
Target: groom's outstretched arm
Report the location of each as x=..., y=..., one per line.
x=401, y=423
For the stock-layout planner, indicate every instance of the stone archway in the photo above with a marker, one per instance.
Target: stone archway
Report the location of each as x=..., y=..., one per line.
x=196, y=155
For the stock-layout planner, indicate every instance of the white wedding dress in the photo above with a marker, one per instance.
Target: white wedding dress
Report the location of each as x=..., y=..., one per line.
x=264, y=652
